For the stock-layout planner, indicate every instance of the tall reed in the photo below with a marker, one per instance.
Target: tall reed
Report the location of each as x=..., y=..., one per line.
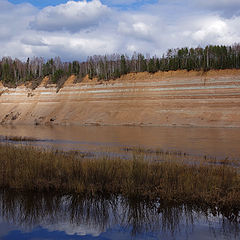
x=26, y=168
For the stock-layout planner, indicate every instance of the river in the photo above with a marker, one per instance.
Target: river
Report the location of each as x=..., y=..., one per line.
x=214, y=142
x=26, y=216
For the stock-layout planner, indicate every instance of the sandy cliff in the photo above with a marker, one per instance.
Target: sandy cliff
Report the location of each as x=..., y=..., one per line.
x=178, y=98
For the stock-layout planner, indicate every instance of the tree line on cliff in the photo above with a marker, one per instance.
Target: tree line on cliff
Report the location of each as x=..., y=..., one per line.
x=14, y=72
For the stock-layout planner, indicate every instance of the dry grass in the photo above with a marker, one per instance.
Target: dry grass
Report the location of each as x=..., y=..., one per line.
x=26, y=168
x=19, y=139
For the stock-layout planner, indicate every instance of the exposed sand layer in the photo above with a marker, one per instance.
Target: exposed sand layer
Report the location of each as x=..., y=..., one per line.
x=178, y=98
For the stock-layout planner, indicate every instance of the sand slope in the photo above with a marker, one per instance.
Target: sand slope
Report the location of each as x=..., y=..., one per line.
x=177, y=98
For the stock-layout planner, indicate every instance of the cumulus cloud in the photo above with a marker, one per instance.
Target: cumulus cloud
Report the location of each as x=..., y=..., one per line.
x=72, y=16
x=77, y=29
x=13, y=25
x=139, y=26
x=72, y=229
x=128, y=2
x=33, y=41
x=220, y=3
x=14, y=19
x=227, y=7
x=117, y=2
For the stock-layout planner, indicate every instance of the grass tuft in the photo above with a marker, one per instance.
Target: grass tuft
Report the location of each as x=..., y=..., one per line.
x=27, y=168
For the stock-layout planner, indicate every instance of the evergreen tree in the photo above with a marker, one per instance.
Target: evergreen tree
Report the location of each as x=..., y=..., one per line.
x=13, y=72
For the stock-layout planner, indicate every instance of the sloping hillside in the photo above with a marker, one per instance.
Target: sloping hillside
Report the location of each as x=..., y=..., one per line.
x=178, y=98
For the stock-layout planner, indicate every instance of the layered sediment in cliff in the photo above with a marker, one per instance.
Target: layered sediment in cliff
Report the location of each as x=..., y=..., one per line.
x=178, y=98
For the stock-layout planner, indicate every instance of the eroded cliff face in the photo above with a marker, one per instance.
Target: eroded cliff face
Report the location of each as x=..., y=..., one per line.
x=178, y=98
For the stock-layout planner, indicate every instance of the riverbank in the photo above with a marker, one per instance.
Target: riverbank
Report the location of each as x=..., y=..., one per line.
x=173, y=180
x=174, y=98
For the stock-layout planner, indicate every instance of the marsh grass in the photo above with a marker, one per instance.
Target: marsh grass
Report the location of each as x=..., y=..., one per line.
x=19, y=138
x=28, y=168
x=159, y=151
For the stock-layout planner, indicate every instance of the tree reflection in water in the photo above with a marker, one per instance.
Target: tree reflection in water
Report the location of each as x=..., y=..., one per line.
x=84, y=215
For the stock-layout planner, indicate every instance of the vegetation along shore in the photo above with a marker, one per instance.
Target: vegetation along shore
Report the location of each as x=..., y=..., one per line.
x=170, y=179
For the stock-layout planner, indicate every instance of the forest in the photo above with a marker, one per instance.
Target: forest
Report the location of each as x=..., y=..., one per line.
x=14, y=72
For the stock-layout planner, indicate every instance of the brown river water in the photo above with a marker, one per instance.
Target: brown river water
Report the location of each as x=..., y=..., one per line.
x=212, y=142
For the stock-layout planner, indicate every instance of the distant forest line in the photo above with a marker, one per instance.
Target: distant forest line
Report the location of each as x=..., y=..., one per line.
x=14, y=72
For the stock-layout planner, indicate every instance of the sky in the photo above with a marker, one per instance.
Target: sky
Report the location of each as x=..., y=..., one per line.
x=74, y=30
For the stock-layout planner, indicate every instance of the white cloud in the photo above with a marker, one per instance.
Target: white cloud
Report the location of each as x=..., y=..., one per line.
x=212, y=27
x=127, y=2
x=78, y=29
x=33, y=41
x=140, y=26
x=117, y=2
x=14, y=21
x=138, y=30
x=227, y=8
x=74, y=229
x=219, y=3
x=72, y=16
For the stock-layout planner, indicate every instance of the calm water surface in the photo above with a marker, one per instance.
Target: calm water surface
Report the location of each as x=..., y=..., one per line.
x=216, y=142
x=39, y=216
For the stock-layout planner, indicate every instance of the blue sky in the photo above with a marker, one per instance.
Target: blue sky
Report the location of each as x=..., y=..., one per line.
x=120, y=3
x=40, y=3
x=77, y=29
